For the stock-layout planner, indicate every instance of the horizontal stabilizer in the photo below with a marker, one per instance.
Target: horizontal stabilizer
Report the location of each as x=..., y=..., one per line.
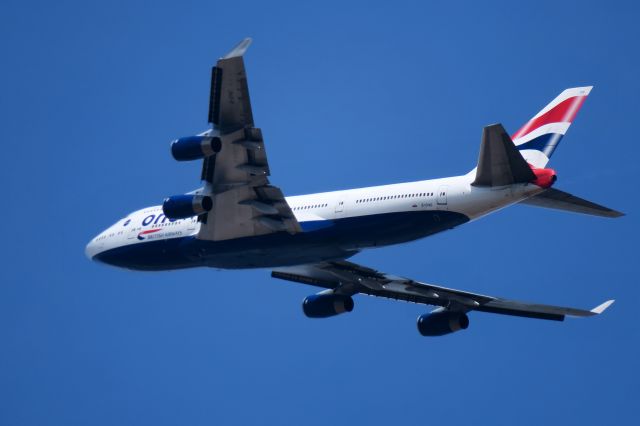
x=500, y=163
x=555, y=199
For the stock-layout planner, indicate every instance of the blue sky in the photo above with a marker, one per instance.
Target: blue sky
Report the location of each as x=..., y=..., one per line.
x=347, y=94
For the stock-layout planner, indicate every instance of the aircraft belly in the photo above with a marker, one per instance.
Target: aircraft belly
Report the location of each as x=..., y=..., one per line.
x=341, y=239
x=337, y=239
x=156, y=255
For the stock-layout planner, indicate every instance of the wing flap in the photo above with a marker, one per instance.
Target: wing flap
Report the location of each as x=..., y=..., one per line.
x=248, y=210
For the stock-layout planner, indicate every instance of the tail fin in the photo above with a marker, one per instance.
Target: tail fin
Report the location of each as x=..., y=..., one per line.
x=537, y=139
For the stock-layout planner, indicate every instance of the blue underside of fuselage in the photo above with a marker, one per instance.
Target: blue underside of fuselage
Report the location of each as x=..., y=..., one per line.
x=321, y=240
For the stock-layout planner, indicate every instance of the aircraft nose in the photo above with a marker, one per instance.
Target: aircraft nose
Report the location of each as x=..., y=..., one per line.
x=91, y=249
x=88, y=250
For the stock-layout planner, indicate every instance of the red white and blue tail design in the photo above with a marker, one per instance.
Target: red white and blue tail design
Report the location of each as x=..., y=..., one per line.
x=537, y=139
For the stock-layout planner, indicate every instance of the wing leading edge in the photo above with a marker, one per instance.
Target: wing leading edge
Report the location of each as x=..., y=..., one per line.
x=347, y=278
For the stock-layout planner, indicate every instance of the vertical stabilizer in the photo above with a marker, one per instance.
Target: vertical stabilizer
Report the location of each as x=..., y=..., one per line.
x=540, y=136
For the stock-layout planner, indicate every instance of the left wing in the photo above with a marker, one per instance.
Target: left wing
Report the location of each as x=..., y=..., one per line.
x=347, y=278
x=236, y=176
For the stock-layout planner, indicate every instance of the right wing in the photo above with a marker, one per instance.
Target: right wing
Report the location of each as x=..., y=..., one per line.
x=555, y=199
x=348, y=278
x=236, y=178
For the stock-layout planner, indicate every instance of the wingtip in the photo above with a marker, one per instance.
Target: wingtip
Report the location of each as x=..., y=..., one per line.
x=239, y=49
x=602, y=307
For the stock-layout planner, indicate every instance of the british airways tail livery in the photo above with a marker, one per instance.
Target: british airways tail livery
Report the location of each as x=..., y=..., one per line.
x=239, y=220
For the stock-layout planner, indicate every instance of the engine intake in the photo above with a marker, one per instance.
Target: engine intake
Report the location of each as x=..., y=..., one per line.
x=184, y=206
x=195, y=147
x=441, y=323
x=326, y=305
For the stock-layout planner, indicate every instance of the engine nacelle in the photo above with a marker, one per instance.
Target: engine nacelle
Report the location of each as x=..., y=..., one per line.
x=441, y=323
x=195, y=147
x=326, y=305
x=184, y=206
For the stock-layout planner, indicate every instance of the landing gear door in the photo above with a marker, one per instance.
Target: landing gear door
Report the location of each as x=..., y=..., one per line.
x=442, y=197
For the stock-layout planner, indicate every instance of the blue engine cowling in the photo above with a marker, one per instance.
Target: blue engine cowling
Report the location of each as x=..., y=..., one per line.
x=184, y=206
x=326, y=305
x=195, y=147
x=441, y=323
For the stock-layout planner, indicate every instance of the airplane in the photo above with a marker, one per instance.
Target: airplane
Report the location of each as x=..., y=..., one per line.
x=238, y=219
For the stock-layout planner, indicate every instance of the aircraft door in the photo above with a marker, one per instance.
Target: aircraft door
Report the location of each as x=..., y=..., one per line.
x=442, y=195
x=132, y=233
x=340, y=205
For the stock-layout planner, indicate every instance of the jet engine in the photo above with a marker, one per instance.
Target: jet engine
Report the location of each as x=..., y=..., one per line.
x=443, y=322
x=195, y=147
x=184, y=206
x=326, y=305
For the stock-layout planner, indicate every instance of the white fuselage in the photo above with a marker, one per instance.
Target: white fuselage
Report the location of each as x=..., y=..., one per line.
x=344, y=222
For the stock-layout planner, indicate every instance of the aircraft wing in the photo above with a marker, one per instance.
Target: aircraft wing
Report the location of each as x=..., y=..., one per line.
x=349, y=278
x=236, y=178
